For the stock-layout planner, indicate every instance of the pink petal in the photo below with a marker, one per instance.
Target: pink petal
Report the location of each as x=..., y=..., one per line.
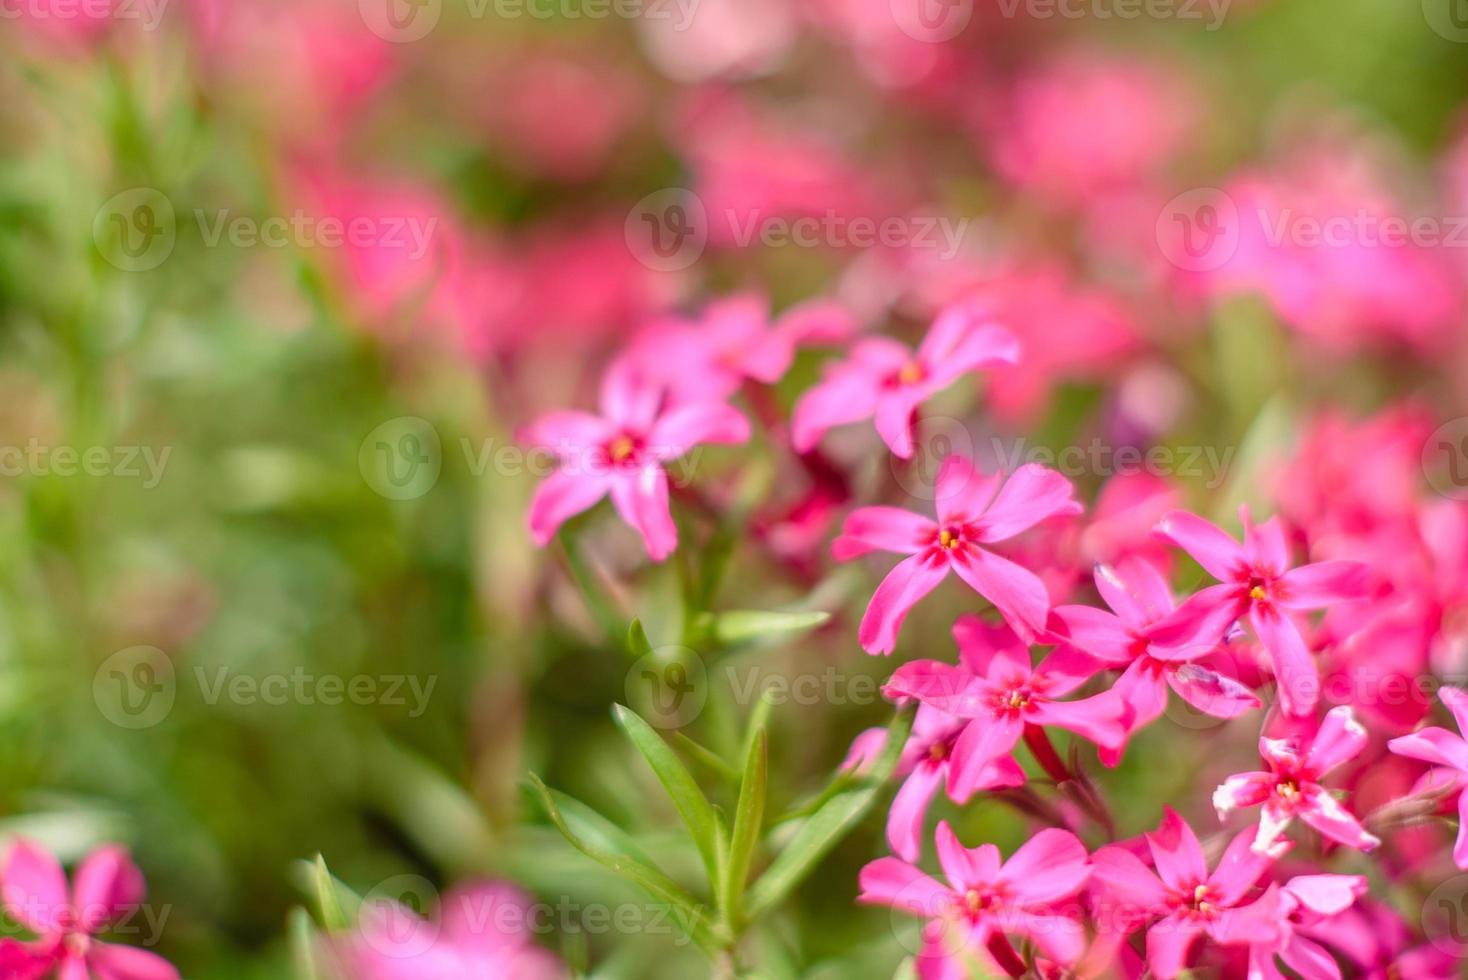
x=561, y=496
x=641, y=499
x=966, y=333
x=1210, y=547
x=982, y=743
x=984, y=648
x=1065, y=669
x=1242, y=865
x=568, y=433
x=1015, y=591
x=34, y=888
x=1048, y=867
x=109, y=962
x=1098, y=718
x=817, y=321
x=1136, y=590
x=1310, y=960
x=882, y=529
x=1325, y=813
x=1323, y=584
x=1033, y=494
x=680, y=429
x=1198, y=624
x=1460, y=846
x=1326, y=894
x=1060, y=937
x=486, y=915
x=1435, y=745
x=894, y=418
x=1243, y=790
x=1143, y=695
x=964, y=867
x=1095, y=631
x=1340, y=739
x=910, y=580
x=865, y=749
x=1274, y=820
x=1176, y=852
x=844, y=396
x=629, y=399
x=73, y=967
x=910, y=808
x=1211, y=692
x=897, y=884
x=961, y=491
x=1264, y=544
x=1259, y=922
x=1296, y=680
x=107, y=887
x=1127, y=882
x=1168, y=943
x=945, y=687
x=1456, y=701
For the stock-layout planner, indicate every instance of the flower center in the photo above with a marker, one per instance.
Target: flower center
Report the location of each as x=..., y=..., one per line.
x=621, y=449
x=911, y=373
x=1258, y=594
x=938, y=751
x=948, y=539
x=1201, y=905
x=1288, y=791
x=976, y=903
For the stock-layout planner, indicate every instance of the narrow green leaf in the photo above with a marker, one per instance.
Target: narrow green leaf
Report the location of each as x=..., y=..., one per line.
x=302, y=933
x=637, y=642
x=324, y=888
x=692, y=805
x=689, y=916
x=828, y=825
x=746, y=626
x=748, y=821
x=707, y=758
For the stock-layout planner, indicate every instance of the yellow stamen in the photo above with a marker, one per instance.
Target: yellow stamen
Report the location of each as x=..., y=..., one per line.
x=1258, y=594
x=911, y=373
x=938, y=752
x=621, y=449
x=947, y=539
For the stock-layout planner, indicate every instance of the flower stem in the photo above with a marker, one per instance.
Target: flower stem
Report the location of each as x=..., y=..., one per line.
x=1005, y=955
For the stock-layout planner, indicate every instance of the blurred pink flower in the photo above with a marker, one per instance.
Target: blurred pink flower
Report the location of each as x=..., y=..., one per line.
x=1291, y=787
x=1448, y=754
x=885, y=379
x=621, y=452
x=972, y=511
x=106, y=888
x=702, y=40
x=986, y=898
x=1181, y=900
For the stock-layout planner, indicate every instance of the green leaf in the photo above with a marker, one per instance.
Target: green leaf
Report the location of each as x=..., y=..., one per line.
x=707, y=758
x=637, y=642
x=336, y=904
x=302, y=933
x=825, y=828
x=748, y=821
x=590, y=836
x=745, y=626
x=692, y=805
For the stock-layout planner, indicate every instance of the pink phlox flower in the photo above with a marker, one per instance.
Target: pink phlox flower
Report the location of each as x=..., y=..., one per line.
x=106, y=888
x=1256, y=580
x=1181, y=900
x=1002, y=698
x=1291, y=786
x=622, y=452
x=1311, y=905
x=973, y=512
x=886, y=380
x=1447, y=753
x=985, y=899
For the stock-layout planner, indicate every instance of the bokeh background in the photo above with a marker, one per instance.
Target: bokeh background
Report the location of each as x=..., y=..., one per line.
x=302, y=457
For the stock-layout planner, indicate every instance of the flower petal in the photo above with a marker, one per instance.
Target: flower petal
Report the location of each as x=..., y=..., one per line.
x=1048, y=867
x=845, y=396
x=680, y=429
x=981, y=744
x=1435, y=745
x=984, y=648
x=894, y=417
x=1209, y=545
x=1129, y=887
x=1326, y=894
x=641, y=499
x=110, y=962
x=1323, y=584
x=910, y=580
x=1032, y=494
x=966, y=867
x=1325, y=813
x=1211, y=692
x=1242, y=865
x=629, y=399
x=882, y=529
x=1136, y=590
x=1244, y=789
x=568, y=433
x=962, y=492
x=107, y=887
x=34, y=888
x=1015, y=591
x=910, y=808
x=897, y=884
x=1176, y=852
x=1340, y=739
x=1168, y=943
x=1456, y=701
x=1297, y=682
x=560, y=497
x=1096, y=631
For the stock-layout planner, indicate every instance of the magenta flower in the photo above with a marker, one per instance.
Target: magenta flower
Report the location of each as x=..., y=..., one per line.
x=484, y=929
x=969, y=515
x=621, y=452
x=1448, y=755
x=1311, y=905
x=1256, y=580
x=926, y=763
x=1181, y=900
x=986, y=900
x=1141, y=603
x=995, y=689
x=886, y=380
x=1291, y=788
x=106, y=889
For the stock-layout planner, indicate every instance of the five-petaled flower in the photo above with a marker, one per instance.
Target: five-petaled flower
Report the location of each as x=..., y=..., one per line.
x=622, y=452
x=885, y=379
x=970, y=516
x=106, y=889
x=1257, y=580
x=1181, y=900
x=1291, y=788
x=987, y=899
x=1448, y=755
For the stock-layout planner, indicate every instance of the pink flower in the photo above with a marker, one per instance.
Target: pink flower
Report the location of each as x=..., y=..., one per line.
x=621, y=452
x=1291, y=788
x=986, y=899
x=1003, y=698
x=483, y=930
x=1257, y=580
x=106, y=888
x=1311, y=904
x=886, y=380
x=1448, y=755
x=1181, y=900
x=710, y=357
x=1141, y=603
x=969, y=515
